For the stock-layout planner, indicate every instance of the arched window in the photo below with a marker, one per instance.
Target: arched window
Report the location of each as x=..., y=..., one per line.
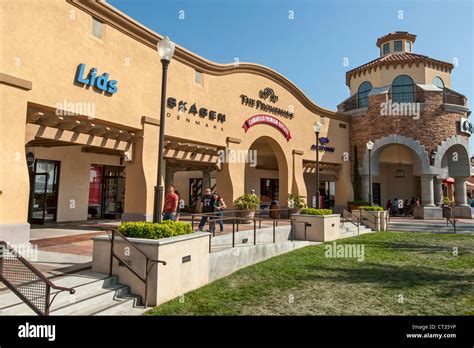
x=362, y=94
x=438, y=82
x=403, y=89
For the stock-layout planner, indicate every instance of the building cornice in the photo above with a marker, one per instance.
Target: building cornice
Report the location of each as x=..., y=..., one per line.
x=125, y=24
x=15, y=81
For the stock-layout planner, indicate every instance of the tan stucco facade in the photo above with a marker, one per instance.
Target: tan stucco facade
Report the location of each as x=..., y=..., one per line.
x=38, y=80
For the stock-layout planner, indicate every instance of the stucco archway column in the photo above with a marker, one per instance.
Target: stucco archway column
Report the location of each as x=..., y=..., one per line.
x=140, y=180
x=298, y=186
x=427, y=191
x=230, y=176
x=364, y=189
x=438, y=191
x=14, y=181
x=460, y=193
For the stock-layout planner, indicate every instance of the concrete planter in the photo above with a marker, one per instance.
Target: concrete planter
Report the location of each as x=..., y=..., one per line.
x=187, y=267
x=376, y=220
x=319, y=228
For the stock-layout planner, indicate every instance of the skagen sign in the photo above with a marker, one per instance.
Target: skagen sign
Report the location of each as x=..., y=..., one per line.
x=193, y=109
x=266, y=94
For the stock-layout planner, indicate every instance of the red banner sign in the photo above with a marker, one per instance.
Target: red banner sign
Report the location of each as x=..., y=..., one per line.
x=267, y=119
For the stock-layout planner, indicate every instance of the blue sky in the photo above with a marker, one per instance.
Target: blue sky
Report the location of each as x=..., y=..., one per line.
x=310, y=48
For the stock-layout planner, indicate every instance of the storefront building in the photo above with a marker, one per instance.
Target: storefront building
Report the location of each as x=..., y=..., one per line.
x=80, y=122
x=80, y=87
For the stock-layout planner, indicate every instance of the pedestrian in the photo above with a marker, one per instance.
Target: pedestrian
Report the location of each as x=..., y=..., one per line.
x=180, y=205
x=171, y=204
x=219, y=206
x=205, y=208
x=395, y=206
x=389, y=204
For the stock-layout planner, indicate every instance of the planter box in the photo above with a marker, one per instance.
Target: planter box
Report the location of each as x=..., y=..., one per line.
x=376, y=220
x=319, y=228
x=187, y=267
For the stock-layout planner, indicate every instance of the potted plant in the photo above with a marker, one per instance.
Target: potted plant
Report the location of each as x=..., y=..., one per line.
x=295, y=203
x=248, y=203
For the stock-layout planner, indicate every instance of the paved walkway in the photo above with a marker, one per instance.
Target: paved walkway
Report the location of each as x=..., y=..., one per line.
x=432, y=226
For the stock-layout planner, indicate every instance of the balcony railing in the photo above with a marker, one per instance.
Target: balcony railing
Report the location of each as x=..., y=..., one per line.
x=449, y=97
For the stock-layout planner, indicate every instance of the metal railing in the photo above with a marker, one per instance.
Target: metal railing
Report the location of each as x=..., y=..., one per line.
x=129, y=256
x=257, y=219
x=451, y=220
x=349, y=217
x=26, y=281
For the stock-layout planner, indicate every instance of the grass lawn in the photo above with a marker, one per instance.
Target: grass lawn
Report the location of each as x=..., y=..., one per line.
x=401, y=274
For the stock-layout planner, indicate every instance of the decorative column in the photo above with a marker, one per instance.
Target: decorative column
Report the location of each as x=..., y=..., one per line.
x=364, y=190
x=461, y=209
x=460, y=194
x=428, y=210
x=438, y=191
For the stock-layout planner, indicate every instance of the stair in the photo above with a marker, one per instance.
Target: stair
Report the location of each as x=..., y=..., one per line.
x=96, y=294
x=348, y=229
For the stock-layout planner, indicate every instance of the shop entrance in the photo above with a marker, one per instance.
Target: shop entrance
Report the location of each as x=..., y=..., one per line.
x=106, y=192
x=44, y=182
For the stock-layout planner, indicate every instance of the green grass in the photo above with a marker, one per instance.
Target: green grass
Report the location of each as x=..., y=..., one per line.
x=420, y=267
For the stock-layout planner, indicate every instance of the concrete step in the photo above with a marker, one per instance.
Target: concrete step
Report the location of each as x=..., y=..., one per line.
x=84, y=283
x=96, y=294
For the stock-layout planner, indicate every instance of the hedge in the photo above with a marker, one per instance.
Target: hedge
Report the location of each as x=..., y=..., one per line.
x=314, y=211
x=148, y=230
x=371, y=208
x=358, y=202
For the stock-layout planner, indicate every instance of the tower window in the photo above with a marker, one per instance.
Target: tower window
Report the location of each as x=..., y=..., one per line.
x=438, y=82
x=386, y=48
x=397, y=46
x=408, y=46
x=403, y=89
x=363, y=94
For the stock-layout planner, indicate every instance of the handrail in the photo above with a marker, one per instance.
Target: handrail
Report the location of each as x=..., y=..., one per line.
x=123, y=262
x=450, y=219
x=22, y=290
x=345, y=219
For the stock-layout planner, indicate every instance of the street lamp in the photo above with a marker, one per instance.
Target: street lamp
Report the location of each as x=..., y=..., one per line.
x=370, y=146
x=165, y=50
x=317, y=129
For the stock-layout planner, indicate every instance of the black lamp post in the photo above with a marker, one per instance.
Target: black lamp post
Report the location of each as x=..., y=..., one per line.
x=165, y=50
x=370, y=146
x=317, y=129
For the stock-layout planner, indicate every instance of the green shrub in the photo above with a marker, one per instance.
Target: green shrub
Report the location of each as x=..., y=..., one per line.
x=371, y=208
x=247, y=201
x=148, y=230
x=314, y=211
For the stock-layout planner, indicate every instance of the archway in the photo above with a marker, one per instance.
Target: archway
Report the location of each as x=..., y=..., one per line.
x=267, y=174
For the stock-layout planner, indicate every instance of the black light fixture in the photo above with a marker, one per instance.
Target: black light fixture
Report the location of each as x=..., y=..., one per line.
x=165, y=50
x=370, y=146
x=317, y=129
x=400, y=171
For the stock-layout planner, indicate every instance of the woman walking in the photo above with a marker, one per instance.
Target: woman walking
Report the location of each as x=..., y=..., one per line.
x=219, y=206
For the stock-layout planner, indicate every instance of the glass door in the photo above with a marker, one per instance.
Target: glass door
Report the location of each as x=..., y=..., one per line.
x=114, y=187
x=44, y=192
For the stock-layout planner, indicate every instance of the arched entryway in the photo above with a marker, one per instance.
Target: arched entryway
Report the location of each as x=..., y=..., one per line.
x=404, y=167
x=266, y=171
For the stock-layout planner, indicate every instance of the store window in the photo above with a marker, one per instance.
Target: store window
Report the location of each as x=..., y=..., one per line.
x=97, y=28
x=106, y=192
x=386, y=48
x=403, y=89
x=438, y=82
x=363, y=94
x=269, y=189
x=44, y=179
x=397, y=46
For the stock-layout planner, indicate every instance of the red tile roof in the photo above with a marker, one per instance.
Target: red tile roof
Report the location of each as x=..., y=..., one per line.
x=397, y=58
